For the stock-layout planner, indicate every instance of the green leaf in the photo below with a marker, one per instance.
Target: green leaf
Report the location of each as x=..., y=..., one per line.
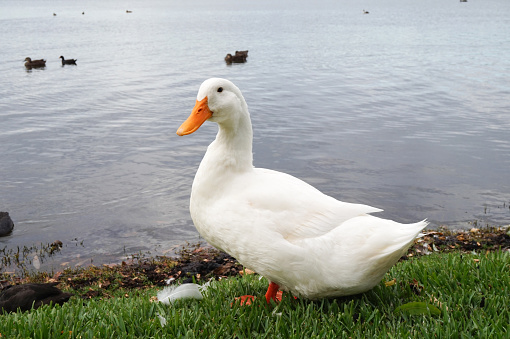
x=418, y=308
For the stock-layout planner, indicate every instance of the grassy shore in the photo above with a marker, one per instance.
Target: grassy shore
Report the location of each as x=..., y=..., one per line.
x=456, y=293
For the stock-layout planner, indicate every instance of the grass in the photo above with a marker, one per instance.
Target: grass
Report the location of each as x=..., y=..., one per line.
x=471, y=290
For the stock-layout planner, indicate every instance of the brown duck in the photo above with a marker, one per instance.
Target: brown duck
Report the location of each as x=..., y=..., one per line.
x=236, y=59
x=26, y=296
x=34, y=63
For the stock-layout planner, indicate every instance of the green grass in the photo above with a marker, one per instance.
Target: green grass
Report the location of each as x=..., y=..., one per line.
x=472, y=292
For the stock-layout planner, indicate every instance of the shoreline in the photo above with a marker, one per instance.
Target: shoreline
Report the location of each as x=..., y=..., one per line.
x=200, y=263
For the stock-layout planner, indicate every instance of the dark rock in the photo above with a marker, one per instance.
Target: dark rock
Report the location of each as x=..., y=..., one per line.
x=6, y=224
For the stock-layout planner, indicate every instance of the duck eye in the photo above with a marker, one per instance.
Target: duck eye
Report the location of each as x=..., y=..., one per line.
x=220, y=89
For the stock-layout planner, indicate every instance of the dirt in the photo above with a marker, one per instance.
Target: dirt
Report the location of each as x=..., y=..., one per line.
x=199, y=263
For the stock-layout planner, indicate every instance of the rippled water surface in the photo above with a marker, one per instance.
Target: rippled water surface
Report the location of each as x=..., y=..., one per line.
x=406, y=108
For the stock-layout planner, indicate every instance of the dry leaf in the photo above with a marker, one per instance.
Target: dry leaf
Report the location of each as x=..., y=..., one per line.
x=246, y=271
x=391, y=282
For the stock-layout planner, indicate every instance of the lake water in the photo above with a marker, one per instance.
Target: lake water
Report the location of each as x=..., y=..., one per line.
x=406, y=109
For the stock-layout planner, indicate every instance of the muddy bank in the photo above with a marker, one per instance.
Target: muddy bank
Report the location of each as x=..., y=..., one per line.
x=201, y=262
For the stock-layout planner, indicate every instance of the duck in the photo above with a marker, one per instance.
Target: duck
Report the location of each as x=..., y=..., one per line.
x=29, y=63
x=68, y=61
x=31, y=295
x=300, y=239
x=365, y=12
x=236, y=59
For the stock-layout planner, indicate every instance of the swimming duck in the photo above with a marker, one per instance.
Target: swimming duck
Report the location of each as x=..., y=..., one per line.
x=68, y=61
x=26, y=296
x=236, y=59
x=300, y=239
x=34, y=63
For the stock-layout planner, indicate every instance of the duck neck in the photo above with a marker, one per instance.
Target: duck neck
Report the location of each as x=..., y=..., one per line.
x=231, y=151
x=234, y=143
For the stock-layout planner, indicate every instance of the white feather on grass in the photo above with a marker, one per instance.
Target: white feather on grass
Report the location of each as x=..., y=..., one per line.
x=185, y=291
x=162, y=320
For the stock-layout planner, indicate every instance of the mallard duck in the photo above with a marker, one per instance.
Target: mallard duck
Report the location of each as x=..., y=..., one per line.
x=26, y=296
x=237, y=59
x=34, y=63
x=300, y=239
x=68, y=61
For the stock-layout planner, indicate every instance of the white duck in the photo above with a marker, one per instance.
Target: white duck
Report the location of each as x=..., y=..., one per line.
x=300, y=239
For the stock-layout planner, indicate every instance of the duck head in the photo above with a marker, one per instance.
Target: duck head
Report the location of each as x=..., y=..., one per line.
x=218, y=100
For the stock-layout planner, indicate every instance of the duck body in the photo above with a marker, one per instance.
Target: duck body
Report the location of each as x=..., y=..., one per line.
x=68, y=61
x=242, y=53
x=236, y=59
x=29, y=63
x=26, y=296
x=277, y=225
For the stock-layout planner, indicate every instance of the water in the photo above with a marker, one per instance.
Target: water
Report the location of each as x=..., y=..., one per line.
x=406, y=109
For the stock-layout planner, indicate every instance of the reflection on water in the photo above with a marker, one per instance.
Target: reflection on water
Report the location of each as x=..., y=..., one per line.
x=405, y=109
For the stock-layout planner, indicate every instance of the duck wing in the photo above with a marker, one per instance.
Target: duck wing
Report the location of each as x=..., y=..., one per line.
x=280, y=203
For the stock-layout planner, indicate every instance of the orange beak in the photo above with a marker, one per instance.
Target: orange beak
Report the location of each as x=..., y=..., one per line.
x=198, y=116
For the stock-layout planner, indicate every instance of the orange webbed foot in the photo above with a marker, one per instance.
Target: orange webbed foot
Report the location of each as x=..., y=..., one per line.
x=244, y=300
x=272, y=294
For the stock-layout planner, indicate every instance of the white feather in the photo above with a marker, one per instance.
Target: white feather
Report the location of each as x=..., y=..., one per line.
x=162, y=320
x=171, y=293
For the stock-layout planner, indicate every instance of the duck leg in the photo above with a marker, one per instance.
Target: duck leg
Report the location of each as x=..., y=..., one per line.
x=272, y=291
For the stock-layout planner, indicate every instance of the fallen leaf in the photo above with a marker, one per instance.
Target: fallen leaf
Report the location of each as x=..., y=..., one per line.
x=246, y=271
x=391, y=282
x=418, y=308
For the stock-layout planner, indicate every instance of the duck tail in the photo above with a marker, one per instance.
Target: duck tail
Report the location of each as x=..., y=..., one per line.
x=420, y=226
